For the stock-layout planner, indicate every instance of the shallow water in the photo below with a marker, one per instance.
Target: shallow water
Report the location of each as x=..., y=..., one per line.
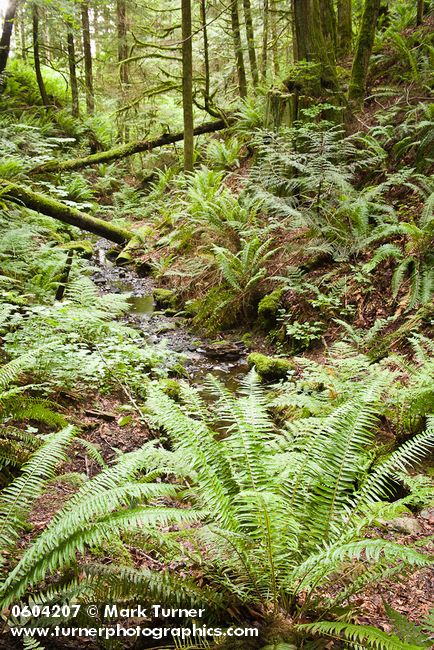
x=201, y=357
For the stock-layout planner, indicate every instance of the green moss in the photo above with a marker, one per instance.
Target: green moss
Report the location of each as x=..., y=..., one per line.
x=270, y=368
x=164, y=298
x=83, y=247
x=268, y=308
x=247, y=339
x=171, y=388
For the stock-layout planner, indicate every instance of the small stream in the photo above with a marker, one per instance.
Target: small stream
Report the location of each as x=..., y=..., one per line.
x=226, y=361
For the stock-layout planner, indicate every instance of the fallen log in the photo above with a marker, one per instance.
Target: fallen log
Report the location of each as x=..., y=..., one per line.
x=125, y=150
x=54, y=208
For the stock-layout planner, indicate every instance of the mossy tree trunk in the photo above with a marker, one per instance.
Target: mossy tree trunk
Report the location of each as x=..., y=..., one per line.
x=5, y=40
x=364, y=45
x=88, y=73
x=37, y=55
x=345, y=29
x=274, y=37
x=121, y=25
x=329, y=27
x=316, y=75
x=264, y=58
x=310, y=44
x=420, y=11
x=72, y=70
x=125, y=150
x=54, y=208
x=250, y=34
x=187, y=85
x=238, y=50
x=121, y=18
x=206, y=71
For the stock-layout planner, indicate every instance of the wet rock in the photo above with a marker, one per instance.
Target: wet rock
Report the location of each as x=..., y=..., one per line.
x=164, y=298
x=428, y=515
x=224, y=349
x=405, y=525
x=167, y=327
x=270, y=368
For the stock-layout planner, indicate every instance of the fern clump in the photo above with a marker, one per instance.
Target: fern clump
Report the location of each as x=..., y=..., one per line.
x=287, y=511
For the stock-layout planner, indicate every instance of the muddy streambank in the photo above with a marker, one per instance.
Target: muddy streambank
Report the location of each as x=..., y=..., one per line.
x=226, y=360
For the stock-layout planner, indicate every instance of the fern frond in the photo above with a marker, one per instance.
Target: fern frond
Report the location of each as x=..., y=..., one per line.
x=17, y=498
x=358, y=636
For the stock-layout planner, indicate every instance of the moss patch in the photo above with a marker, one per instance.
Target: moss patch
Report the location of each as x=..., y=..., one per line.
x=270, y=368
x=171, y=388
x=164, y=298
x=268, y=308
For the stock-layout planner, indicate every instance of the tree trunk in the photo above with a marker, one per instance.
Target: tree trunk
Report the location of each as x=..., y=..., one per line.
x=64, y=278
x=125, y=150
x=239, y=59
x=88, y=74
x=22, y=28
x=313, y=46
x=365, y=42
x=250, y=34
x=37, y=57
x=121, y=13
x=72, y=71
x=310, y=44
x=5, y=40
x=207, y=89
x=420, y=11
x=274, y=38
x=121, y=25
x=187, y=85
x=264, y=60
x=345, y=29
x=97, y=30
x=54, y=208
x=328, y=26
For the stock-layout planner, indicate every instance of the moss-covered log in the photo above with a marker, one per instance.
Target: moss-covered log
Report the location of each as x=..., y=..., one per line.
x=125, y=150
x=54, y=208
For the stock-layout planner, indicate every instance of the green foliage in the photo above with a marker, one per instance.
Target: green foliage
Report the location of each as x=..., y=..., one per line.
x=305, y=176
x=213, y=209
x=415, y=260
x=123, y=497
x=411, y=137
x=302, y=335
x=251, y=115
x=286, y=512
x=243, y=271
x=18, y=404
x=17, y=499
x=224, y=154
x=406, y=630
x=364, y=636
